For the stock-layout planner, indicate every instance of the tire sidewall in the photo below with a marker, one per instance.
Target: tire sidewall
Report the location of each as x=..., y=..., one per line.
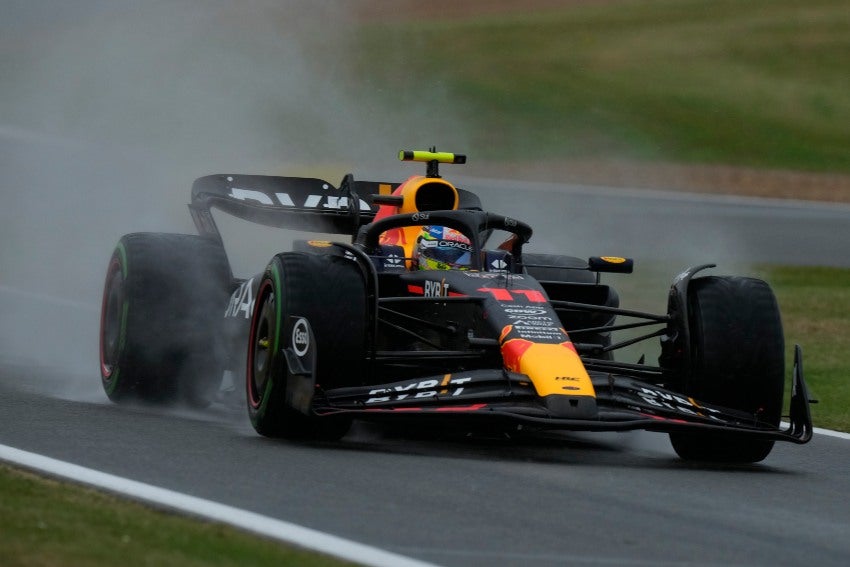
x=113, y=320
x=259, y=401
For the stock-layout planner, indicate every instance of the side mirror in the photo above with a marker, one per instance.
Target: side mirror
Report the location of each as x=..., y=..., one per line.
x=610, y=264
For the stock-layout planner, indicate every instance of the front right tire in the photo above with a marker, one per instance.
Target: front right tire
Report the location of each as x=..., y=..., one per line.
x=738, y=362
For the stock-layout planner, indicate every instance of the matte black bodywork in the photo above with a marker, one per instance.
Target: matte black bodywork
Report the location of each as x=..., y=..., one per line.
x=436, y=336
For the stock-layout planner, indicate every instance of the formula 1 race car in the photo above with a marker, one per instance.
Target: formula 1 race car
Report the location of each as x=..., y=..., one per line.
x=433, y=312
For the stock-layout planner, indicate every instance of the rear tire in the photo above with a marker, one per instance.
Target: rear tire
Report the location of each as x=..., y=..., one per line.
x=329, y=292
x=162, y=307
x=738, y=362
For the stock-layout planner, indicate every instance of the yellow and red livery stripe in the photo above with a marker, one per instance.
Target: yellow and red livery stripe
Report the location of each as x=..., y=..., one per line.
x=554, y=368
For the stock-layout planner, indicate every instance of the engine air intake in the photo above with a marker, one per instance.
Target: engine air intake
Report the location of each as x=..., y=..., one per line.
x=431, y=196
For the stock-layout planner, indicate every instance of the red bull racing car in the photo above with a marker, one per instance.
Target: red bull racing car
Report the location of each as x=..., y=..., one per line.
x=432, y=310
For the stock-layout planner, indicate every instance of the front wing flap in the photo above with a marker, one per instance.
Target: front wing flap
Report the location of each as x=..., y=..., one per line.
x=623, y=404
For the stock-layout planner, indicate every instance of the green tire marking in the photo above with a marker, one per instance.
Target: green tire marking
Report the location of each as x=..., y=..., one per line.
x=122, y=252
x=276, y=343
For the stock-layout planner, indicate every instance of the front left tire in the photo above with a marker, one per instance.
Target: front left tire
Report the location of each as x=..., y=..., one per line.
x=305, y=304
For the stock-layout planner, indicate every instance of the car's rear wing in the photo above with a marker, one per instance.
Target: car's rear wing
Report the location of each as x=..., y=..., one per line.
x=299, y=203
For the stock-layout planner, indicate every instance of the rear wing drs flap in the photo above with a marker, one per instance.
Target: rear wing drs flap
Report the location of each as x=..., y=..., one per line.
x=299, y=203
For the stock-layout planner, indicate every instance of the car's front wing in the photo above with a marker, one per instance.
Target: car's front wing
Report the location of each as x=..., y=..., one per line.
x=622, y=403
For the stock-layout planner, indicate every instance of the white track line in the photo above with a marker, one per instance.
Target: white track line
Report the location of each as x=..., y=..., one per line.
x=263, y=525
x=831, y=433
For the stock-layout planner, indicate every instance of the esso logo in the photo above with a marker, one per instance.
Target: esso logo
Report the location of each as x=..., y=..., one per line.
x=301, y=337
x=525, y=311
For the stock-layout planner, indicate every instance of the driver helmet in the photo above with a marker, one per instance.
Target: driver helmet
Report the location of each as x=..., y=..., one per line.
x=442, y=248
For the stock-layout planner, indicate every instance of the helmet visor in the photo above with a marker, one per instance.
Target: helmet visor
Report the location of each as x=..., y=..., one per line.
x=452, y=256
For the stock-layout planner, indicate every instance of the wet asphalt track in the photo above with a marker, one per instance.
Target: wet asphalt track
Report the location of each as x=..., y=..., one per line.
x=672, y=228
x=613, y=499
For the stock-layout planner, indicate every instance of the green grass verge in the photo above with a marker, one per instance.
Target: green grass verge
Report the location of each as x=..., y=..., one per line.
x=761, y=83
x=815, y=304
x=46, y=523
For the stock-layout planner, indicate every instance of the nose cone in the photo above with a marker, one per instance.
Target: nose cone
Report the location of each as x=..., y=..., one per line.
x=558, y=375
